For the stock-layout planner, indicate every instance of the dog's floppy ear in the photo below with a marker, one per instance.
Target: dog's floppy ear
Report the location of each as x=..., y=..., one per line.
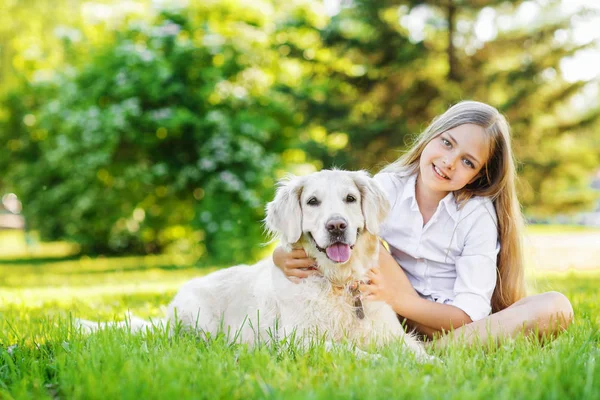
x=375, y=205
x=284, y=215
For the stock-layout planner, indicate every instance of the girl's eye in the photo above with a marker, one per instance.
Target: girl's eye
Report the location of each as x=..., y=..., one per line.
x=313, y=201
x=350, y=199
x=446, y=142
x=468, y=163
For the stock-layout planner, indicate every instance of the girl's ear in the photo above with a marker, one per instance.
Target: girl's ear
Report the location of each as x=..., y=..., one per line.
x=284, y=214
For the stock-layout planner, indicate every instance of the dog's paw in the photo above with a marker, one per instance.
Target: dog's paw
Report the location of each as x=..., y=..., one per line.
x=363, y=355
x=85, y=326
x=425, y=358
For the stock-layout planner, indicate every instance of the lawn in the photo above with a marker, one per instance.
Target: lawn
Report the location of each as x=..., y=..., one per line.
x=42, y=356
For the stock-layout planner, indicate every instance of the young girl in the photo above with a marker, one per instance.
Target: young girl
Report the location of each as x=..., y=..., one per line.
x=454, y=234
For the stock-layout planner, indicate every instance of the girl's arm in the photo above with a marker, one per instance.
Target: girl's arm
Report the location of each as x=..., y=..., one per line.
x=390, y=284
x=296, y=265
x=431, y=318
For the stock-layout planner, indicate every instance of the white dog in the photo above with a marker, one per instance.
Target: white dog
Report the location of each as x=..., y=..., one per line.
x=334, y=216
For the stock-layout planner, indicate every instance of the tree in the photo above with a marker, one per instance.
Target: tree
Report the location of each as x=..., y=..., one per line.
x=395, y=79
x=170, y=131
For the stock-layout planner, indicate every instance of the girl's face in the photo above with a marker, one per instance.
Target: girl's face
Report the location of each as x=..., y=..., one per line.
x=454, y=158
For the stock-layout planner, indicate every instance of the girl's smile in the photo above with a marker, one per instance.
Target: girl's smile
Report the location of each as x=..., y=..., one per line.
x=439, y=173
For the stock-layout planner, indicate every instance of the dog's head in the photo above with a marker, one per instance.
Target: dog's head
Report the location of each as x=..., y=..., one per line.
x=328, y=211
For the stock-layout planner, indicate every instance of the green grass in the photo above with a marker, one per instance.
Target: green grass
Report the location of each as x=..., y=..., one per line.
x=42, y=356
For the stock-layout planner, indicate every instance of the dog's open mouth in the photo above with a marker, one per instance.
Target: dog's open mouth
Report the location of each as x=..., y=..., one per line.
x=337, y=252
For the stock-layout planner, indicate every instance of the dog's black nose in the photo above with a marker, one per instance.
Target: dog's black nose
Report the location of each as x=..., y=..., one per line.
x=336, y=225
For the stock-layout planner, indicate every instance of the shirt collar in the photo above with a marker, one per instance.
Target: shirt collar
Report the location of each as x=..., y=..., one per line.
x=409, y=193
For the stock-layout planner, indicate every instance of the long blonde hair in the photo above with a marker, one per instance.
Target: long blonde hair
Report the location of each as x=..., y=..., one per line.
x=496, y=181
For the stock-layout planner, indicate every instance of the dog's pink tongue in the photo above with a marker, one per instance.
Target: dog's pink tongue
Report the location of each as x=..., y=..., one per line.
x=338, y=252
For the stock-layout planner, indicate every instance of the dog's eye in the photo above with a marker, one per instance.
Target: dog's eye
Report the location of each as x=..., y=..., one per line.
x=313, y=201
x=350, y=199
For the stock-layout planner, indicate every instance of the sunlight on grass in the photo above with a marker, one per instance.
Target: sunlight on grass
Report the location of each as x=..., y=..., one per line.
x=540, y=229
x=94, y=284
x=16, y=243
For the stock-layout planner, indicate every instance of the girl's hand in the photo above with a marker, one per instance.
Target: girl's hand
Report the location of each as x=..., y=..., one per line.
x=388, y=283
x=296, y=265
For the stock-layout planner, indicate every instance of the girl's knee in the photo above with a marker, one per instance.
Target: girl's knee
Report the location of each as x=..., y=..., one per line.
x=554, y=308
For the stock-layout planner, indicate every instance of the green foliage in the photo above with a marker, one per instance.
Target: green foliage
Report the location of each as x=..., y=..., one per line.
x=175, y=123
x=39, y=36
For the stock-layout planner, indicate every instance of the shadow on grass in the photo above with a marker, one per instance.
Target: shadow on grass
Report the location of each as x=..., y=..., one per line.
x=75, y=267
x=48, y=261
x=134, y=269
x=35, y=261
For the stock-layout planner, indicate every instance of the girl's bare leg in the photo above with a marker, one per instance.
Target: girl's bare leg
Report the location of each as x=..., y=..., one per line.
x=545, y=314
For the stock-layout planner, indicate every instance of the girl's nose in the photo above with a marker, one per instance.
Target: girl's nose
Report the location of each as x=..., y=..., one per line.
x=448, y=162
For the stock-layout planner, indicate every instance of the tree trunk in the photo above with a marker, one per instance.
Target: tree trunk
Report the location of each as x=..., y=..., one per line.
x=452, y=65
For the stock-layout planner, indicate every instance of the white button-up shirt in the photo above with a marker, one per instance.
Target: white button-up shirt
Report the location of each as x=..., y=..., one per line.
x=450, y=260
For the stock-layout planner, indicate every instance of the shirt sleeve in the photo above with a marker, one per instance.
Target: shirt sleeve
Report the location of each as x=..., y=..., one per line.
x=476, y=266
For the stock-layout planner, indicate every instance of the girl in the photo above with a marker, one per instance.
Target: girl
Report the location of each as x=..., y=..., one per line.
x=454, y=234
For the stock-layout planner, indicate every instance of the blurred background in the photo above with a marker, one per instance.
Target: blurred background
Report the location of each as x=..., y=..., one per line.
x=160, y=127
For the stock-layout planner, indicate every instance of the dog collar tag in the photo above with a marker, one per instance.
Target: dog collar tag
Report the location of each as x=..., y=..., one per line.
x=358, y=306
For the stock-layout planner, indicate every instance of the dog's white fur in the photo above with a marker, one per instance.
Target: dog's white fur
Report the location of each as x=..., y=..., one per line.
x=258, y=302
